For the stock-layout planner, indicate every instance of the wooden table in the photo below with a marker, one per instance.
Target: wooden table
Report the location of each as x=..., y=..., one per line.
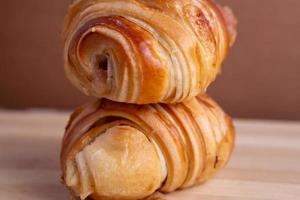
x=265, y=164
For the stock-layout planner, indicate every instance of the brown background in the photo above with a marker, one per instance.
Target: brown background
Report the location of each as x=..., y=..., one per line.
x=260, y=79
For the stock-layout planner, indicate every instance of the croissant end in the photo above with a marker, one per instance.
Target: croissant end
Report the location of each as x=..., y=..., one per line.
x=119, y=164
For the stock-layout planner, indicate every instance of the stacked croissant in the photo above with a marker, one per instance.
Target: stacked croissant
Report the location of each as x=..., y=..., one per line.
x=153, y=129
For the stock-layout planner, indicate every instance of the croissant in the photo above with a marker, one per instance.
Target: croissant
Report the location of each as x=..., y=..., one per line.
x=141, y=51
x=114, y=150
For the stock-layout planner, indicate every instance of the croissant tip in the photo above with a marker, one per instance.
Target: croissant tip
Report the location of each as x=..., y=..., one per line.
x=231, y=23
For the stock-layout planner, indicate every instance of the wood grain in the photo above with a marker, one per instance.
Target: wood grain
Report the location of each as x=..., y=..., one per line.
x=265, y=164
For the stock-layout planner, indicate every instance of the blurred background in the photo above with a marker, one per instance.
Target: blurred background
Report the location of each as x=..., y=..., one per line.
x=260, y=78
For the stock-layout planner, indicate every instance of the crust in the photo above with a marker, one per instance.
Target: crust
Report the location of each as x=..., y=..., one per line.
x=155, y=51
x=192, y=141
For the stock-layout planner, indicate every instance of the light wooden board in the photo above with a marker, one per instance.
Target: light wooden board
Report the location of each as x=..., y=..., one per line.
x=265, y=164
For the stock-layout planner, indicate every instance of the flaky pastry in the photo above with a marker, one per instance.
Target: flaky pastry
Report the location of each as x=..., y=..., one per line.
x=120, y=151
x=142, y=51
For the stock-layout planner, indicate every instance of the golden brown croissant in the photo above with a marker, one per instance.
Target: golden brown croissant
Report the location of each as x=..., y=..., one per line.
x=141, y=51
x=120, y=151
